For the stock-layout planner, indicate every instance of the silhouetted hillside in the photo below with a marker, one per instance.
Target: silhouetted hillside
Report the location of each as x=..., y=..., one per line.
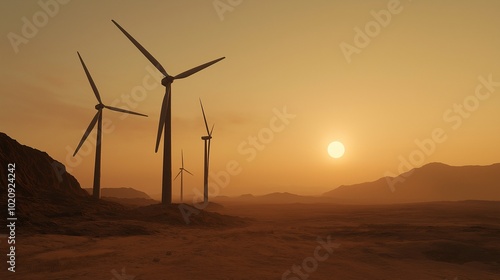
x=432, y=182
x=125, y=196
x=36, y=172
x=44, y=191
x=132, y=202
x=121, y=193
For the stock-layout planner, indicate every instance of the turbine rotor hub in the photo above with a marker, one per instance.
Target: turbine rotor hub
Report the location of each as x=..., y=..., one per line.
x=99, y=106
x=167, y=81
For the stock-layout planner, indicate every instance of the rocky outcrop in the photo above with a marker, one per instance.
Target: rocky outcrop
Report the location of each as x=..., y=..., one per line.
x=36, y=173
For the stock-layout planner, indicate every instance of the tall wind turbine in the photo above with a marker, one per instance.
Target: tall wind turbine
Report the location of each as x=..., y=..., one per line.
x=181, y=172
x=166, y=114
x=206, y=139
x=97, y=119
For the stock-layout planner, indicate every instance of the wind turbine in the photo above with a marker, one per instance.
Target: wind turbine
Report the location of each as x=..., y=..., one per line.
x=166, y=114
x=97, y=119
x=181, y=172
x=206, y=139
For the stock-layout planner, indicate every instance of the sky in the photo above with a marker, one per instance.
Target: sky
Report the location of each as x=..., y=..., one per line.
x=399, y=83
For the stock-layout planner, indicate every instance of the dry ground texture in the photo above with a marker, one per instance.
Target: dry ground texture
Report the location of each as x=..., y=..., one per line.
x=442, y=240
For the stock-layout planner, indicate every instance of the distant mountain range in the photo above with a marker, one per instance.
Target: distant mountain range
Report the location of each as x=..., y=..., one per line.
x=431, y=182
x=273, y=198
x=125, y=196
x=121, y=193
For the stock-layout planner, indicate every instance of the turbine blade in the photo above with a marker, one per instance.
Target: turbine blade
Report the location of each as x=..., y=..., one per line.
x=163, y=116
x=124, y=111
x=182, y=159
x=204, y=117
x=143, y=50
x=177, y=175
x=92, y=84
x=211, y=130
x=190, y=72
x=87, y=132
x=187, y=171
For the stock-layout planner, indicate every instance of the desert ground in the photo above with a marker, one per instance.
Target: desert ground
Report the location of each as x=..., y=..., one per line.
x=441, y=240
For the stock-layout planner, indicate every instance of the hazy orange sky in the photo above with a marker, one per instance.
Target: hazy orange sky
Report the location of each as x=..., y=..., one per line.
x=343, y=69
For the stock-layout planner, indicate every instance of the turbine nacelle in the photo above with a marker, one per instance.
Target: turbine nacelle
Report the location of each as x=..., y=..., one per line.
x=99, y=106
x=206, y=137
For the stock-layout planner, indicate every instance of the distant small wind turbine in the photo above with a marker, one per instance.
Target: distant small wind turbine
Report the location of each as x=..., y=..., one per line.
x=97, y=119
x=207, y=139
x=181, y=172
x=166, y=114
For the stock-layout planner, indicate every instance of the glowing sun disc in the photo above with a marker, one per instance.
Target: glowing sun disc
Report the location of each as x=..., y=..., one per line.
x=336, y=149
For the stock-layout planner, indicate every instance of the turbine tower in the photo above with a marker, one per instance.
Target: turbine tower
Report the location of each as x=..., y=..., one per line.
x=166, y=114
x=97, y=119
x=206, y=139
x=181, y=172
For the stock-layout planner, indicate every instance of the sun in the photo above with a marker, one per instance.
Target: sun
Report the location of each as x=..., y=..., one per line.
x=336, y=149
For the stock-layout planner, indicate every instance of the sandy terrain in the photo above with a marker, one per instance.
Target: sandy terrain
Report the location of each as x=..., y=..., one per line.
x=415, y=241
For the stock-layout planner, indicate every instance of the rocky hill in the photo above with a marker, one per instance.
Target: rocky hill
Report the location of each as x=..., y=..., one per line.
x=36, y=172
